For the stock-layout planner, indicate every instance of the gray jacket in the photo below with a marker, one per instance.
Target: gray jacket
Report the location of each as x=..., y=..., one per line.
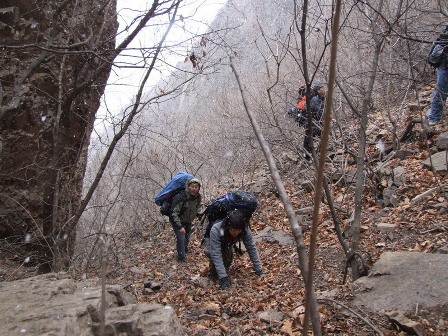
x=216, y=241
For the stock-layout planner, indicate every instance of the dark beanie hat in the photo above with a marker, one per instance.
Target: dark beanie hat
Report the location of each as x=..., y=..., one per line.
x=236, y=219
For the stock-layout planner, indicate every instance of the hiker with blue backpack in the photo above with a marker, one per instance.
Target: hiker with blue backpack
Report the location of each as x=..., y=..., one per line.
x=185, y=207
x=438, y=58
x=223, y=236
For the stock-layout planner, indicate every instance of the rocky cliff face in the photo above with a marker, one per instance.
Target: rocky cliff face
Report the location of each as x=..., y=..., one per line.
x=54, y=64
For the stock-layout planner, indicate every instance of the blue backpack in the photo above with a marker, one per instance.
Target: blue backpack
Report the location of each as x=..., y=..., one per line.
x=219, y=208
x=166, y=195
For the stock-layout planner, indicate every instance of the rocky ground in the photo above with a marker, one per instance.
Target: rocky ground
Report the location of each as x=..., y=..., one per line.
x=272, y=305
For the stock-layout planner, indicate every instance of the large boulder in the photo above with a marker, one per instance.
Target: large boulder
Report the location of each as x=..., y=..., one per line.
x=402, y=281
x=437, y=162
x=54, y=304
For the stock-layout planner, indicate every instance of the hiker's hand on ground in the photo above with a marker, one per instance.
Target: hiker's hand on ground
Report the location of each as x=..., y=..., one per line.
x=224, y=283
x=182, y=231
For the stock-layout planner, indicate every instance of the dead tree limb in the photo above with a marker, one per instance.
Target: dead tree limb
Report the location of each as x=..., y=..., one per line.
x=425, y=194
x=293, y=220
x=366, y=320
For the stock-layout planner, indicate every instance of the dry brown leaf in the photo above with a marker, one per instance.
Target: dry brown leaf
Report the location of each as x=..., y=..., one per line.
x=199, y=327
x=298, y=310
x=158, y=275
x=417, y=248
x=212, y=306
x=287, y=328
x=223, y=328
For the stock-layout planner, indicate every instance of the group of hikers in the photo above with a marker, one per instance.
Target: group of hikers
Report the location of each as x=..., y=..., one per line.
x=223, y=232
x=223, y=235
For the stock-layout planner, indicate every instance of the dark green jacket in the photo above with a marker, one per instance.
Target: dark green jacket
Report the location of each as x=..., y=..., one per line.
x=185, y=208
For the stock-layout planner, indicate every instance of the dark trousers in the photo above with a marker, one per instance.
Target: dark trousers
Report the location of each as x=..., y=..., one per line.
x=182, y=240
x=316, y=133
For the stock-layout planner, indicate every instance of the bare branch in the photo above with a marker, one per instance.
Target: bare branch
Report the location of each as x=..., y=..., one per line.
x=293, y=220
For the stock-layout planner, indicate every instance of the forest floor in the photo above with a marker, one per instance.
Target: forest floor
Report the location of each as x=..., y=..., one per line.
x=274, y=304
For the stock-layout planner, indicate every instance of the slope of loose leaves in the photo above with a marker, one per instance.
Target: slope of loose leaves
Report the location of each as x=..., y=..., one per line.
x=273, y=305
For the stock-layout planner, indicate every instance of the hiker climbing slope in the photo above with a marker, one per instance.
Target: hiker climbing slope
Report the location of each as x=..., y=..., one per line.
x=185, y=208
x=317, y=104
x=223, y=236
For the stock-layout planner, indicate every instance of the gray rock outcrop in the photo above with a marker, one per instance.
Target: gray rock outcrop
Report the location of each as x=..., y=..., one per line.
x=437, y=162
x=54, y=304
x=48, y=104
x=442, y=141
x=403, y=281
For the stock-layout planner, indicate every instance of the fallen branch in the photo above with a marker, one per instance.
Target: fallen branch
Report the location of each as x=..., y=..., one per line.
x=439, y=228
x=364, y=319
x=422, y=196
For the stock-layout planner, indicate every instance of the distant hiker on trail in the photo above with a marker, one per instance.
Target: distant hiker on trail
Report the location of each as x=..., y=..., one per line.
x=317, y=104
x=185, y=208
x=223, y=235
x=298, y=112
x=440, y=49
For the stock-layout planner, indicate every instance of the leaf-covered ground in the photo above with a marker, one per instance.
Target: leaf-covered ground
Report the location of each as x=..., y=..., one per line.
x=274, y=305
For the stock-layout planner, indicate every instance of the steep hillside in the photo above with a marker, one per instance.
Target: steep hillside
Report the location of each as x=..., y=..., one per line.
x=414, y=221
x=273, y=305
x=205, y=129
